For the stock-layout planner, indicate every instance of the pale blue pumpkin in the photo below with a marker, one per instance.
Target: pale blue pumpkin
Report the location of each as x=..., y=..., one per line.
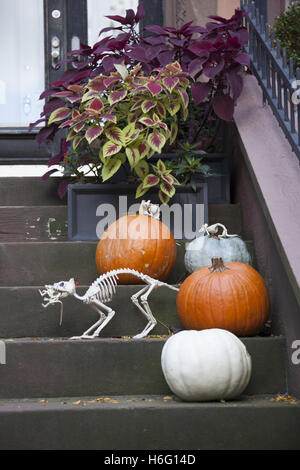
x=200, y=251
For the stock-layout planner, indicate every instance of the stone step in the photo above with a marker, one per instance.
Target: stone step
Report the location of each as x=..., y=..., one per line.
x=49, y=223
x=40, y=367
x=29, y=191
x=21, y=314
x=149, y=423
x=40, y=263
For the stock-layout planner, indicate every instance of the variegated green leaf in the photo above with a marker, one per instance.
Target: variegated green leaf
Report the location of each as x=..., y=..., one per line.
x=170, y=179
x=167, y=188
x=92, y=133
x=76, y=141
x=95, y=106
x=71, y=135
x=117, y=96
x=129, y=133
x=147, y=121
x=170, y=83
x=141, y=191
x=174, y=131
x=141, y=169
x=147, y=105
x=184, y=97
x=114, y=134
x=156, y=140
x=160, y=166
x=59, y=114
x=110, y=148
x=161, y=110
x=173, y=107
x=163, y=197
x=150, y=180
x=110, y=168
x=132, y=155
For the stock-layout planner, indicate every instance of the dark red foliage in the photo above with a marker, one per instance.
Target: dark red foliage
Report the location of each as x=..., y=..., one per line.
x=212, y=55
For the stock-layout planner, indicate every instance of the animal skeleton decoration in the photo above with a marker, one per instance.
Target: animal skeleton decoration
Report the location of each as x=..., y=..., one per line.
x=99, y=293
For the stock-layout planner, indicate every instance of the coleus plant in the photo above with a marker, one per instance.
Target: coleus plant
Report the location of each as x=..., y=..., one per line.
x=122, y=117
x=212, y=56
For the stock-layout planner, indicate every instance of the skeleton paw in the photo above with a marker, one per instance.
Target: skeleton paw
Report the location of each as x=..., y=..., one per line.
x=139, y=336
x=83, y=337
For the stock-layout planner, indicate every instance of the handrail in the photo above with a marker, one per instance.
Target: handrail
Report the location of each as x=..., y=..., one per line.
x=274, y=73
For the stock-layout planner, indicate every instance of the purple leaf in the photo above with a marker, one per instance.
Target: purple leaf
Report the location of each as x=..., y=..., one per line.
x=137, y=53
x=196, y=65
x=213, y=68
x=165, y=58
x=62, y=188
x=200, y=91
x=32, y=125
x=140, y=13
x=233, y=43
x=130, y=17
x=55, y=160
x=110, y=28
x=223, y=106
x=156, y=29
x=236, y=83
x=51, y=105
x=243, y=59
x=45, y=133
x=48, y=173
x=154, y=40
x=118, y=18
x=202, y=45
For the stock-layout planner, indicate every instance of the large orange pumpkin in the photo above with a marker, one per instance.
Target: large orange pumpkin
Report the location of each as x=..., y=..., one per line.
x=232, y=297
x=138, y=242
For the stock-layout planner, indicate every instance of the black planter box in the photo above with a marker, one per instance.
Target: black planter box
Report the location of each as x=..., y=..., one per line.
x=92, y=207
x=218, y=187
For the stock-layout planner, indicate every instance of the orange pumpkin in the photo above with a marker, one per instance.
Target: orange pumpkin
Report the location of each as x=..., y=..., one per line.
x=138, y=242
x=232, y=297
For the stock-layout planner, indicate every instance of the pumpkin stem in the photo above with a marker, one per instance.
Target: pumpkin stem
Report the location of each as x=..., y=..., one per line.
x=217, y=265
x=151, y=210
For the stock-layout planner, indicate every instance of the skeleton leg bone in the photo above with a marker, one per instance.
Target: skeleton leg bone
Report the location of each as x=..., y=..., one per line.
x=152, y=321
x=108, y=317
x=95, y=305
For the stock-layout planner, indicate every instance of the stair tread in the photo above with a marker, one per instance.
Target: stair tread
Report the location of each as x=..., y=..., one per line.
x=62, y=367
x=145, y=401
x=133, y=422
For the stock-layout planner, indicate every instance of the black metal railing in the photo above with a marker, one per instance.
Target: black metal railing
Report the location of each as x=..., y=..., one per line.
x=275, y=73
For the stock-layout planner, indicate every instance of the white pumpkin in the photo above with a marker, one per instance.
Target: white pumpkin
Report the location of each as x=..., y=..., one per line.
x=206, y=365
x=200, y=251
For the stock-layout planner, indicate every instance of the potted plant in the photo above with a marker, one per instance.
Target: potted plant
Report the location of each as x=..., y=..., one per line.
x=210, y=62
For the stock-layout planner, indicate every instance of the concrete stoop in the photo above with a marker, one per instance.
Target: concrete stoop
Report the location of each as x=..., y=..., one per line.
x=110, y=393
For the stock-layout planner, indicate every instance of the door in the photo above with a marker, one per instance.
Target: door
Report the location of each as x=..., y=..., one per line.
x=34, y=36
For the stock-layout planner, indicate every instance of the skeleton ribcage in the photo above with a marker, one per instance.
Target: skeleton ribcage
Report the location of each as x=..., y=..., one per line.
x=104, y=287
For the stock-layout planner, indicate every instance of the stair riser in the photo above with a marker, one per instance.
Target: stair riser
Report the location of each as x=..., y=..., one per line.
x=35, y=264
x=115, y=367
x=21, y=314
x=214, y=426
x=49, y=223
x=30, y=192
